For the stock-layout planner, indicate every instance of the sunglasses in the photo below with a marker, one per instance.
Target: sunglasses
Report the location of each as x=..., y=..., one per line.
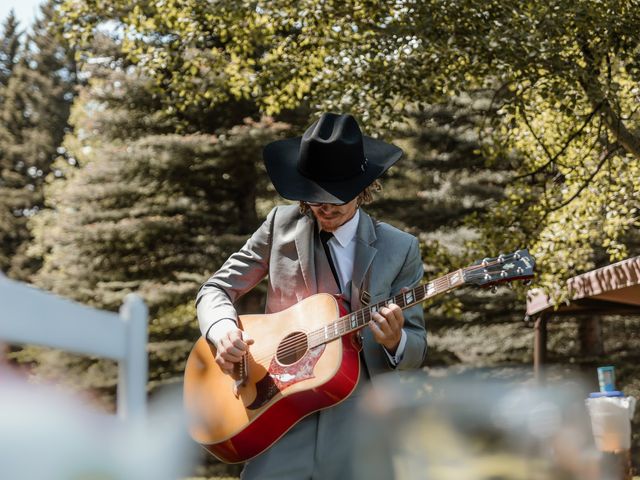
x=319, y=204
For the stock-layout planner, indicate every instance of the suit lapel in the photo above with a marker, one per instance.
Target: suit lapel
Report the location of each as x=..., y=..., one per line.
x=304, y=246
x=365, y=252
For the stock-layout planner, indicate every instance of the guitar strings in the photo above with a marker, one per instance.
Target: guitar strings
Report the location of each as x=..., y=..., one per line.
x=291, y=346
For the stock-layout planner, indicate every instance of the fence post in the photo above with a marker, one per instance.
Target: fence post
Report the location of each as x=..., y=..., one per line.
x=133, y=369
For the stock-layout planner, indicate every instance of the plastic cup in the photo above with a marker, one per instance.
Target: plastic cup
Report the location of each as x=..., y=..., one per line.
x=611, y=415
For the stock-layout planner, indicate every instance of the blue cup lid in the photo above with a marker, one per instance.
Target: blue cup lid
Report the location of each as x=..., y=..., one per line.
x=613, y=393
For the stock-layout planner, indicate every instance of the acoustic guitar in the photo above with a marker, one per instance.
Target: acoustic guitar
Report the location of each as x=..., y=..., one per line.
x=304, y=359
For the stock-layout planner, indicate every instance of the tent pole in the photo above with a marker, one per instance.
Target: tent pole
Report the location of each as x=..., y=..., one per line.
x=540, y=347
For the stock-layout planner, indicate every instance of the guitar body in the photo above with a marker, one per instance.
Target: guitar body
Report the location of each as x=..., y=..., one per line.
x=286, y=380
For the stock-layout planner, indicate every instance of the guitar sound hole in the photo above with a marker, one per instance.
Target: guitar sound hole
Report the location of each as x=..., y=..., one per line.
x=292, y=348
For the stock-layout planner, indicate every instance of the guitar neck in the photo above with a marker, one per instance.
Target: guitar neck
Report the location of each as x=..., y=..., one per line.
x=360, y=318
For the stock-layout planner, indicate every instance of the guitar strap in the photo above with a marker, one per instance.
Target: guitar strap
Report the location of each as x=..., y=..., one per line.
x=365, y=296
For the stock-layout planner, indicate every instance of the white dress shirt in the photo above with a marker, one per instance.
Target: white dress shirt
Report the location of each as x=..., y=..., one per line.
x=343, y=252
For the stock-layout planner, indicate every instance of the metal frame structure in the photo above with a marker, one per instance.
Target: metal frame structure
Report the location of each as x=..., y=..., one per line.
x=610, y=290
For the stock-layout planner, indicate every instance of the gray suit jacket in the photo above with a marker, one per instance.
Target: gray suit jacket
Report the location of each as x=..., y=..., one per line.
x=386, y=260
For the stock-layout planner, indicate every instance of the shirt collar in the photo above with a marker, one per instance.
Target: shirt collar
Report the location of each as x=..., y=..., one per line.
x=345, y=232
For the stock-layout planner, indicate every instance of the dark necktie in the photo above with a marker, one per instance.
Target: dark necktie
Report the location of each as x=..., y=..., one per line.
x=324, y=238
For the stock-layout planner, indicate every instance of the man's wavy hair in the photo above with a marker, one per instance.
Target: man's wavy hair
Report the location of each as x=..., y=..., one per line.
x=364, y=197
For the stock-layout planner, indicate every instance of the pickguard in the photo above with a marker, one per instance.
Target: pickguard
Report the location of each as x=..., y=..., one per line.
x=279, y=377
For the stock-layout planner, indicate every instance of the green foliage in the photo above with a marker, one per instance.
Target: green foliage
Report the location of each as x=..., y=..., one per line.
x=121, y=216
x=33, y=119
x=154, y=217
x=133, y=206
x=9, y=47
x=562, y=77
x=442, y=180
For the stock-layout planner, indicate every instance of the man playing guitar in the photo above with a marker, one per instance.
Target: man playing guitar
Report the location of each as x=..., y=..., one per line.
x=326, y=244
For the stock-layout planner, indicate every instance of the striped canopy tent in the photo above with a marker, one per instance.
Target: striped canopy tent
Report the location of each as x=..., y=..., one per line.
x=613, y=289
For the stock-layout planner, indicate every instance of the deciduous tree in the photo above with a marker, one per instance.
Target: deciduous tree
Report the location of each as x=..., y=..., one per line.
x=563, y=75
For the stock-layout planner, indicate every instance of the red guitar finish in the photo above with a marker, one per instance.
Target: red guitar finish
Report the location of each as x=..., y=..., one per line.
x=276, y=394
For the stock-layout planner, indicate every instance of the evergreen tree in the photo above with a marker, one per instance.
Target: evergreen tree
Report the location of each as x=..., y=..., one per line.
x=134, y=206
x=9, y=48
x=148, y=211
x=33, y=116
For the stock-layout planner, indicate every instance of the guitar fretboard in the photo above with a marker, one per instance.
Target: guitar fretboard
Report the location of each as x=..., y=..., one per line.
x=358, y=319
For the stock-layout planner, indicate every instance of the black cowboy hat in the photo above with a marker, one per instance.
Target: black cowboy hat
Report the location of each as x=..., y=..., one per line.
x=331, y=163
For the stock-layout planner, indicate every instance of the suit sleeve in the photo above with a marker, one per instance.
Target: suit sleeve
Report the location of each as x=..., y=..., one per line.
x=410, y=276
x=241, y=272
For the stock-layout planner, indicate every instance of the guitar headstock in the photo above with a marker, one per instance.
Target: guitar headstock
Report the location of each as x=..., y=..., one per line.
x=518, y=265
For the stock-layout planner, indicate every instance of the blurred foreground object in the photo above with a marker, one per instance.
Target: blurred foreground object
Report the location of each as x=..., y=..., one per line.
x=46, y=434
x=29, y=315
x=611, y=421
x=611, y=413
x=417, y=427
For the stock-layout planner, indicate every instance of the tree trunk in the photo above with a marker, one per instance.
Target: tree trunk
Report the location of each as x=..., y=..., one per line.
x=590, y=333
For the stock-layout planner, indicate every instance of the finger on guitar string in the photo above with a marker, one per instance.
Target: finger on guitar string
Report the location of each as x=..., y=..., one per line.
x=239, y=339
x=378, y=334
x=231, y=348
x=232, y=354
x=387, y=326
x=382, y=334
x=226, y=367
x=381, y=322
x=389, y=319
x=394, y=316
x=246, y=338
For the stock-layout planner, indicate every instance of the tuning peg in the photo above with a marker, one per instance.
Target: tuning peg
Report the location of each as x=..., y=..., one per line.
x=494, y=288
x=526, y=282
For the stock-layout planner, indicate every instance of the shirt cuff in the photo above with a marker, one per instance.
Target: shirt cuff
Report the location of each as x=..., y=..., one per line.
x=220, y=329
x=397, y=358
